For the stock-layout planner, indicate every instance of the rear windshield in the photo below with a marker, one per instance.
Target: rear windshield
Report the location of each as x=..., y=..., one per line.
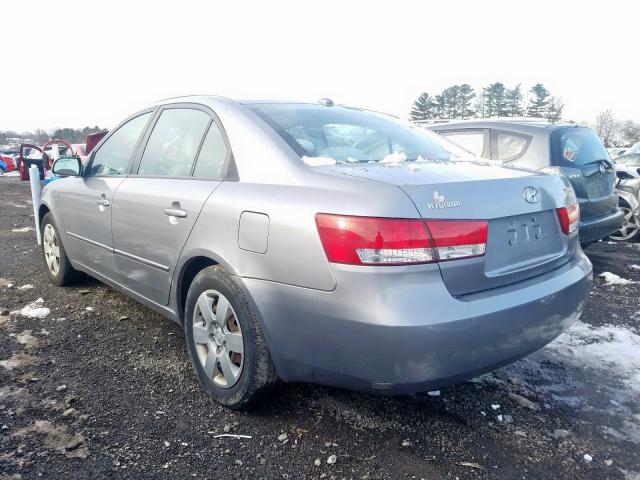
x=347, y=135
x=577, y=146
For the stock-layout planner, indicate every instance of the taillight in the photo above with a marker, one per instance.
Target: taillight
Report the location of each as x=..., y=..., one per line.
x=458, y=238
x=569, y=217
x=374, y=241
x=391, y=241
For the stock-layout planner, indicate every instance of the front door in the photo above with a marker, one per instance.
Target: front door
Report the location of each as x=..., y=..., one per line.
x=86, y=202
x=155, y=210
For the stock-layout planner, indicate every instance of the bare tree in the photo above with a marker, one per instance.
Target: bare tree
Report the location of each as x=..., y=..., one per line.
x=608, y=127
x=630, y=132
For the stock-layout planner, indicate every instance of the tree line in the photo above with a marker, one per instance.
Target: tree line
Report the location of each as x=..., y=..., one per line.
x=40, y=136
x=496, y=100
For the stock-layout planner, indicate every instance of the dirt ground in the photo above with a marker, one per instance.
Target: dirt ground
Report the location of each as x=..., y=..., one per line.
x=101, y=387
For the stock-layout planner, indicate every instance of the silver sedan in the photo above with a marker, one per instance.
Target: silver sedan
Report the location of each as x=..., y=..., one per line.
x=319, y=243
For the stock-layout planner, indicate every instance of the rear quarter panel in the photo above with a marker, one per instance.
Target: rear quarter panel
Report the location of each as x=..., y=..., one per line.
x=294, y=253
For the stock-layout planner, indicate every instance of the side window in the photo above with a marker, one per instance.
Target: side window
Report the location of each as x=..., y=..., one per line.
x=113, y=156
x=510, y=146
x=212, y=155
x=174, y=143
x=472, y=140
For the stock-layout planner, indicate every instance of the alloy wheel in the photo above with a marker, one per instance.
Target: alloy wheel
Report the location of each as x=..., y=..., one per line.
x=217, y=336
x=51, y=249
x=630, y=227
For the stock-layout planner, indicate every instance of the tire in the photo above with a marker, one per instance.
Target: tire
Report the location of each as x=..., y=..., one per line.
x=64, y=274
x=213, y=339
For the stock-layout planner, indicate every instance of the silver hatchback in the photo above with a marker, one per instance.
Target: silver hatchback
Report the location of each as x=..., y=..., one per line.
x=319, y=243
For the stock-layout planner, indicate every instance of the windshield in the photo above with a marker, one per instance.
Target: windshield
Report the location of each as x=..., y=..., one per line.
x=634, y=149
x=577, y=146
x=347, y=135
x=629, y=160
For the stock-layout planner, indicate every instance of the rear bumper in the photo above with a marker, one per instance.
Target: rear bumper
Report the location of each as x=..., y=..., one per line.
x=398, y=330
x=594, y=229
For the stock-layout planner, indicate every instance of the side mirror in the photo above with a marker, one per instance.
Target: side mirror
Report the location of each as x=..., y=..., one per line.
x=67, y=167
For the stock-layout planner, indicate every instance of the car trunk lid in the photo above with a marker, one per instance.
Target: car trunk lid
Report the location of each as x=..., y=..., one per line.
x=524, y=236
x=583, y=159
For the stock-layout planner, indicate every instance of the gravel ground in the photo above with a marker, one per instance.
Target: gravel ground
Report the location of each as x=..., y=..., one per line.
x=102, y=387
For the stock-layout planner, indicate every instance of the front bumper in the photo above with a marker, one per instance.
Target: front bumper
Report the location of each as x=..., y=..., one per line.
x=397, y=330
x=594, y=229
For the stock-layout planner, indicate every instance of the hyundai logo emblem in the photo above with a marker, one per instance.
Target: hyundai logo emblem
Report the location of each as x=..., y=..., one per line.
x=531, y=195
x=602, y=168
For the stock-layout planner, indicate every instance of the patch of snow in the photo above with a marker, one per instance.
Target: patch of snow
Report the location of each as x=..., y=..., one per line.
x=613, y=279
x=33, y=310
x=495, y=407
x=587, y=457
x=434, y=393
x=319, y=161
x=22, y=230
x=610, y=347
x=28, y=286
x=634, y=267
x=413, y=166
x=395, y=158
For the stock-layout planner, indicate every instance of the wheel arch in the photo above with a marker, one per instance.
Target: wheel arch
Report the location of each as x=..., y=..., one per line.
x=190, y=266
x=42, y=211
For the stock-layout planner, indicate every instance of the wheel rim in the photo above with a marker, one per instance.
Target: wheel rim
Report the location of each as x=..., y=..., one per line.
x=217, y=336
x=51, y=249
x=629, y=228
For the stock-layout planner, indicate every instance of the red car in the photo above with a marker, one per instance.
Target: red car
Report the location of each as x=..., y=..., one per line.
x=7, y=163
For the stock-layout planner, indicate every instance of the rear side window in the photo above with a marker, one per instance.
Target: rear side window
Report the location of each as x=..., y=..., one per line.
x=510, y=145
x=577, y=146
x=212, y=155
x=174, y=143
x=472, y=140
x=113, y=156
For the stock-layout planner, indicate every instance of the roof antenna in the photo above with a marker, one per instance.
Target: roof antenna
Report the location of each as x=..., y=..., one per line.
x=327, y=102
x=556, y=116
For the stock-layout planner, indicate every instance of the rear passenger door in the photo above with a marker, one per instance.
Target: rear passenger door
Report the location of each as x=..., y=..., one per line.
x=475, y=140
x=181, y=162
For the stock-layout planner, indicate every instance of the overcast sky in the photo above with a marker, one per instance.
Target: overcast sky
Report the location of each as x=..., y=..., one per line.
x=85, y=63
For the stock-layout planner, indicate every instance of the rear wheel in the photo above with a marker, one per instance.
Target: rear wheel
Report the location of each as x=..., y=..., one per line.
x=630, y=231
x=225, y=340
x=55, y=257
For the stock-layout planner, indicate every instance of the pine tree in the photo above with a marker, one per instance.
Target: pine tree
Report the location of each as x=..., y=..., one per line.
x=451, y=98
x=465, y=100
x=441, y=106
x=494, y=100
x=538, y=104
x=423, y=108
x=513, y=98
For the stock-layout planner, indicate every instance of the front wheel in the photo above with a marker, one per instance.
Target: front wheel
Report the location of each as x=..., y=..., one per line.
x=55, y=257
x=225, y=341
x=630, y=231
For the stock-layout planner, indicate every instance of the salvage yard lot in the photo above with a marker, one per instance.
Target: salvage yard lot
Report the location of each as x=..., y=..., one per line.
x=101, y=387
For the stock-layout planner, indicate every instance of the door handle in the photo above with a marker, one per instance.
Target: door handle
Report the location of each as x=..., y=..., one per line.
x=175, y=212
x=103, y=202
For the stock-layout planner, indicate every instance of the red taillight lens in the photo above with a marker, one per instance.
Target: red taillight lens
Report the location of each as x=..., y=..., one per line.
x=458, y=238
x=374, y=241
x=569, y=218
x=390, y=241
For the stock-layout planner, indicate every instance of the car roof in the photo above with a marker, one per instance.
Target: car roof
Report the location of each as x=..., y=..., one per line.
x=521, y=123
x=212, y=100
